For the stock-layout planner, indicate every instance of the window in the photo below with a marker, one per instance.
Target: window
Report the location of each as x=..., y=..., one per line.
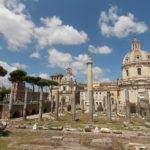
x=139, y=71
x=127, y=59
x=112, y=102
x=64, y=88
x=127, y=72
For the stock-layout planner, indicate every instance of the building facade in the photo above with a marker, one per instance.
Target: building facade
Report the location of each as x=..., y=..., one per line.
x=100, y=97
x=136, y=79
x=134, y=85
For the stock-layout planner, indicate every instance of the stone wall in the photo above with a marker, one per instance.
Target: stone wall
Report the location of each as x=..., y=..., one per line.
x=18, y=109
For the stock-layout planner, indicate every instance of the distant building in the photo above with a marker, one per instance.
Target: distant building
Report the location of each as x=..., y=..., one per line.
x=136, y=78
x=100, y=96
x=67, y=85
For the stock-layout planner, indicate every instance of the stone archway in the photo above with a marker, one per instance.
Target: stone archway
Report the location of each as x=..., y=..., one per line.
x=62, y=103
x=16, y=114
x=45, y=110
x=33, y=112
x=69, y=108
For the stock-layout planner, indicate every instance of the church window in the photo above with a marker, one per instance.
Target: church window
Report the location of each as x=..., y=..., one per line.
x=139, y=71
x=127, y=72
x=64, y=88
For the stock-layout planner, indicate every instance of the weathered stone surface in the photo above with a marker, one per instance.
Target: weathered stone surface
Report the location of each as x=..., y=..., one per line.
x=57, y=128
x=102, y=143
x=96, y=130
x=126, y=124
x=105, y=130
x=147, y=124
x=117, y=132
x=35, y=127
x=71, y=129
x=57, y=138
x=88, y=128
x=138, y=146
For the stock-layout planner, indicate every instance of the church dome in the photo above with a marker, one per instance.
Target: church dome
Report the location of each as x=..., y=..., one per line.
x=136, y=54
x=136, y=62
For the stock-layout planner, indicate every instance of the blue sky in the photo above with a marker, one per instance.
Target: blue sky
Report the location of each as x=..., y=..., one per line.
x=46, y=36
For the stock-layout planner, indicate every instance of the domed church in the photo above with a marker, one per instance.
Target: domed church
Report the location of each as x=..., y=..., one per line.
x=135, y=81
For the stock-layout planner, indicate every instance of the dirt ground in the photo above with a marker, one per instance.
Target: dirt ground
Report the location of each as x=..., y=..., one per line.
x=24, y=139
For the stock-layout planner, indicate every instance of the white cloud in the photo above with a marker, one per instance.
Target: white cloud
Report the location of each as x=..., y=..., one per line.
x=54, y=32
x=100, y=50
x=99, y=74
x=111, y=24
x=44, y=75
x=57, y=58
x=18, y=65
x=15, y=26
x=18, y=29
x=51, y=22
x=77, y=63
x=10, y=68
x=35, y=55
x=6, y=66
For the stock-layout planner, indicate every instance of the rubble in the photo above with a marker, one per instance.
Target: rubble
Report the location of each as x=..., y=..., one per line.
x=102, y=143
x=105, y=130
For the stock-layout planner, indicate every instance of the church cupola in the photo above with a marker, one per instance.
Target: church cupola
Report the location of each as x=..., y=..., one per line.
x=135, y=45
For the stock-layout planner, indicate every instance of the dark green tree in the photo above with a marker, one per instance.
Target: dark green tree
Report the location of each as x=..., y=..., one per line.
x=3, y=72
x=16, y=76
x=4, y=92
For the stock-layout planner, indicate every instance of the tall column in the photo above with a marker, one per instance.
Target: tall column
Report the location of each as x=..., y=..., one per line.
x=109, y=106
x=57, y=104
x=73, y=107
x=90, y=86
x=25, y=104
x=128, y=117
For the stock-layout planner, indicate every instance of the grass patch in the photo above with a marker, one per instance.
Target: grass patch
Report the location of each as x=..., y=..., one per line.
x=4, y=144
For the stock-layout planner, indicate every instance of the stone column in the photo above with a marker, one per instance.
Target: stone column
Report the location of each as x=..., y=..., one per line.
x=73, y=107
x=128, y=118
x=25, y=104
x=57, y=104
x=10, y=114
x=147, y=107
x=109, y=105
x=90, y=87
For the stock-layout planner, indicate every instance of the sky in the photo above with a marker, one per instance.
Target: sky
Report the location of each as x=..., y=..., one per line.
x=44, y=37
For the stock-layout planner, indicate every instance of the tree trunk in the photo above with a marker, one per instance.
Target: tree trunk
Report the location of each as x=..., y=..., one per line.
x=10, y=103
x=41, y=105
x=25, y=105
x=57, y=104
x=73, y=108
